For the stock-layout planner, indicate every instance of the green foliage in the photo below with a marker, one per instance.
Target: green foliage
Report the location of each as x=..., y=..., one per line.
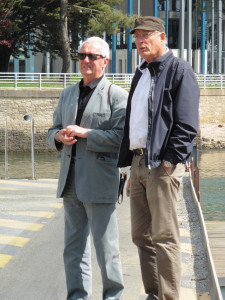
x=108, y=20
x=34, y=25
x=31, y=25
x=95, y=17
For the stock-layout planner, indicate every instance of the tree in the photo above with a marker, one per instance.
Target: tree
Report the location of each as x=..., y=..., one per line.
x=65, y=37
x=54, y=26
x=6, y=29
x=88, y=18
x=25, y=28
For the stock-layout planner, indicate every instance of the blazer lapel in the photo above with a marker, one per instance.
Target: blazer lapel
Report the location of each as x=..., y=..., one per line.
x=94, y=101
x=72, y=104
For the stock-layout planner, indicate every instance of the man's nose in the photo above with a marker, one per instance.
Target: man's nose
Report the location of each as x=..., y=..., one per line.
x=87, y=59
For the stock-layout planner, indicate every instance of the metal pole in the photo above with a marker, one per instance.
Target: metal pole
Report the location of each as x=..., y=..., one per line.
x=213, y=39
x=47, y=63
x=139, y=8
x=114, y=51
x=6, y=148
x=129, y=48
x=32, y=146
x=167, y=18
x=138, y=12
x=189, y=56
x=16, y=65
x=219, y=37
x=29, y=117
x=155, y=8
x=182, y=5
x=203, y=38
x=195, y=154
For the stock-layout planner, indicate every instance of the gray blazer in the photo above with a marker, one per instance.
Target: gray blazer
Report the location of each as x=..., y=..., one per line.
x=96, y=172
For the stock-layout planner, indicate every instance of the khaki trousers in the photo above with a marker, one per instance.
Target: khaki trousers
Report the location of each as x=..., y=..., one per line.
x=155, y=229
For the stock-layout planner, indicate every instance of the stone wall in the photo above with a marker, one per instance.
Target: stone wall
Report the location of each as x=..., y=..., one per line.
x=212, y=118
x=17, y=103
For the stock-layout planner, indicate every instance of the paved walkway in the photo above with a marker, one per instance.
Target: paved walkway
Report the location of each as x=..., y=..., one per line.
x=31, y=245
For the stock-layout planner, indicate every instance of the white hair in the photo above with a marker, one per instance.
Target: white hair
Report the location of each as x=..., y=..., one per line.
x=104, y=45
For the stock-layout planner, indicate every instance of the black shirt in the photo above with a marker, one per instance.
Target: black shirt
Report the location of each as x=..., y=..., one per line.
x=85, y=94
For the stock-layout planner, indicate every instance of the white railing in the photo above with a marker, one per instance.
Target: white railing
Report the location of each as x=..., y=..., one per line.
x=61, y=80
x=211, y=81
x=43, y=81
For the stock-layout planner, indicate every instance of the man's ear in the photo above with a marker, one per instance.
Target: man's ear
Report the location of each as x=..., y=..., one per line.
x=106, y=61
x=163, y=36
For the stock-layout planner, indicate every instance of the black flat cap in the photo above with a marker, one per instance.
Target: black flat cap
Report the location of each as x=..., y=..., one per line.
x=149, y=23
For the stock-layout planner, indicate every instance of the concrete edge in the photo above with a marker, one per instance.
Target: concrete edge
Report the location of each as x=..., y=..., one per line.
x=30, y=93
x=215, y=289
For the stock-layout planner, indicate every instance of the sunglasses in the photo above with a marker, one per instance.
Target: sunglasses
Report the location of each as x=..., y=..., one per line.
x=91, y=56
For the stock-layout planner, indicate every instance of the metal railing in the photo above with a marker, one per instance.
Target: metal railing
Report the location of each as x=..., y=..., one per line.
x=43, y=81
x=53, y=80
x=215, y=81
x=194, y=170
x=192, y=167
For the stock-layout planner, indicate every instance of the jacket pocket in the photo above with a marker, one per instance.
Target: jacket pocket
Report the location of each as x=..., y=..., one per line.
x=103, y=157
x=101, y=120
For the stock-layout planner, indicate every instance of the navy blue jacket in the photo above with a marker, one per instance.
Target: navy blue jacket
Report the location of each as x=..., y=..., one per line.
x=173, y=110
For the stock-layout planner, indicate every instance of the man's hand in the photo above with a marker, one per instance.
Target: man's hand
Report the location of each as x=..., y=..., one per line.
x=62, y=137
x=74, y=130
x=168, y=169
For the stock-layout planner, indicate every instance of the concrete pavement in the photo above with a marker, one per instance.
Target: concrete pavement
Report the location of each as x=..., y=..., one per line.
x=31, y=244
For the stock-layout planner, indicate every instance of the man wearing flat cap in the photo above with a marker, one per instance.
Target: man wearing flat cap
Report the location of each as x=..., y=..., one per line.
x=161, y=123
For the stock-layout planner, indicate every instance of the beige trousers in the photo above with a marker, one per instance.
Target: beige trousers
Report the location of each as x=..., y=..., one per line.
x=155, y=229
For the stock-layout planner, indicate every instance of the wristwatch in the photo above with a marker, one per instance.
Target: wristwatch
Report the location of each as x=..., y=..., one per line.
x=167, y=164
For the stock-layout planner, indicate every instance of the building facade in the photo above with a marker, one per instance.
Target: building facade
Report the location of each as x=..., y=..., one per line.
x=195, y=31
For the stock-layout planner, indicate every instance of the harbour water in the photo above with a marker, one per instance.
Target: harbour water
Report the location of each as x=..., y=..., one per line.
x=211, y=164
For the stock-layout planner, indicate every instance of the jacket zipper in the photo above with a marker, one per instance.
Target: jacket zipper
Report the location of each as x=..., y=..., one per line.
x=152, y=114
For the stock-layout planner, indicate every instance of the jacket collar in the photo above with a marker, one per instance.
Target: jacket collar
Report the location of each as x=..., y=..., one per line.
x=159, y=64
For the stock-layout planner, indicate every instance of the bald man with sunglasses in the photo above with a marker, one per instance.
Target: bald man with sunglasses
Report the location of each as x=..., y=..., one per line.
x=88, y=129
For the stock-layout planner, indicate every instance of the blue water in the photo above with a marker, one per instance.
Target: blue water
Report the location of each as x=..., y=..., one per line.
x=211, y=164
x=19, y=165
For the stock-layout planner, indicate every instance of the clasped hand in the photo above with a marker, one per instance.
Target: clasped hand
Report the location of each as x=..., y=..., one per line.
x=68, y=136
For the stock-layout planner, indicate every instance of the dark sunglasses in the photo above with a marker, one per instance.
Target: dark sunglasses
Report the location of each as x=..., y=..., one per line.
x=91, y=56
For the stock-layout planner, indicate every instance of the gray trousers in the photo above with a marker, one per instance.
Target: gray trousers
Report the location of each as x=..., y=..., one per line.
x=155, y=229
x=101, y=221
